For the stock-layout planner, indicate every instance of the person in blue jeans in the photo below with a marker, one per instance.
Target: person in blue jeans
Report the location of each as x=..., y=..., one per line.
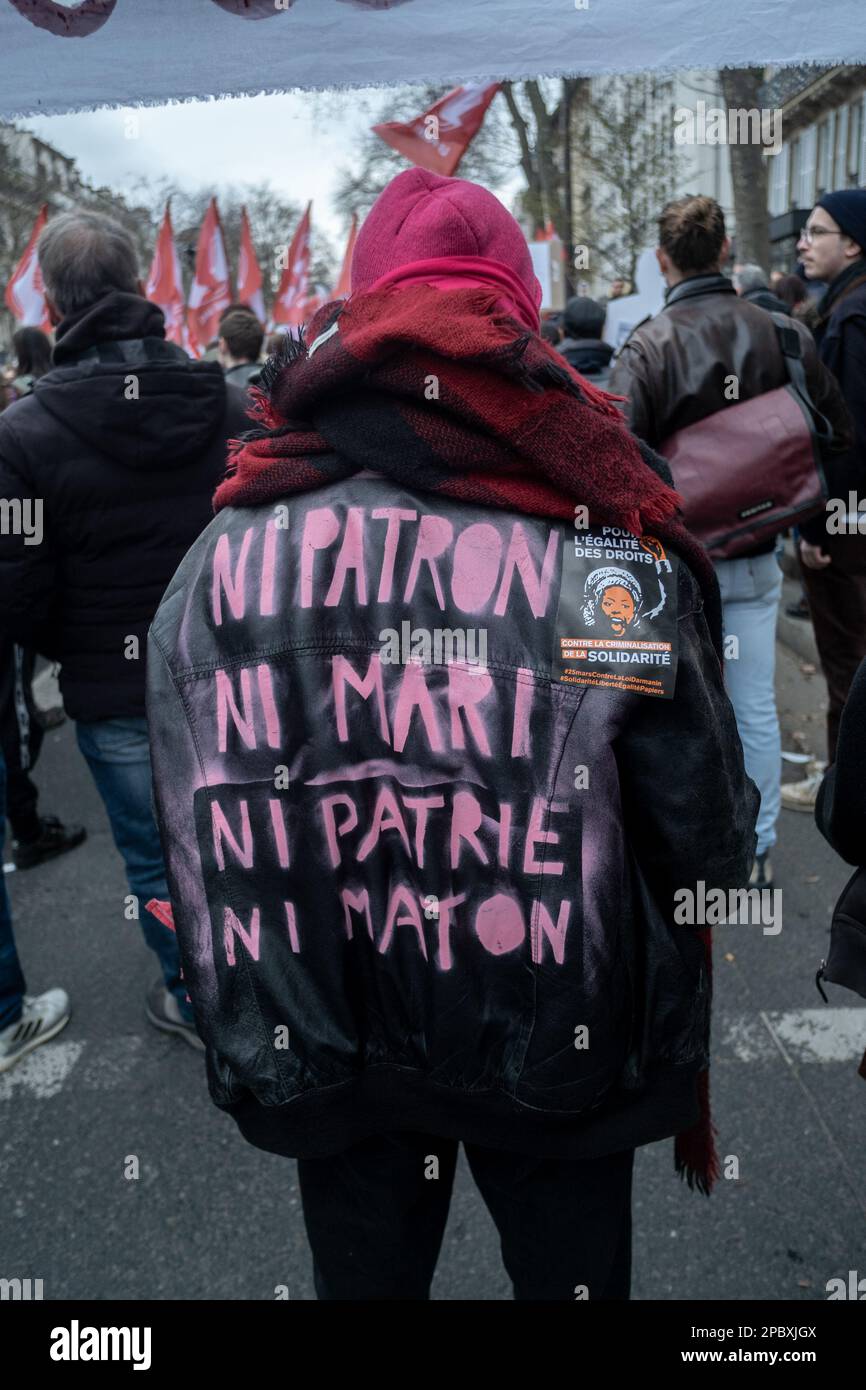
x=117, y=752
x=751, y=588
x=707, y=349
x=25, y=1020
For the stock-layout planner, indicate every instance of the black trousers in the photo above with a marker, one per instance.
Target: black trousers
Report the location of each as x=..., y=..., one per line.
x=21, y=735
x=376, y=1214
x=837, y=601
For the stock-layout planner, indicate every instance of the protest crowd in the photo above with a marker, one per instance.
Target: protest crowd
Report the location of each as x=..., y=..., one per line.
x=377, y=893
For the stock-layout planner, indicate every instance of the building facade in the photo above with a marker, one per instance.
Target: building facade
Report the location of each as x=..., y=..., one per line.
x=627, y=162
x=33, y=173
x=824, y=146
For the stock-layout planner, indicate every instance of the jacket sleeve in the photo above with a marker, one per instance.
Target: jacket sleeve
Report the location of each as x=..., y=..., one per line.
x=631, y=378
x=177, y=774
x=833, y=398
x=840, y=811
x=28, y=562
x=688, y=806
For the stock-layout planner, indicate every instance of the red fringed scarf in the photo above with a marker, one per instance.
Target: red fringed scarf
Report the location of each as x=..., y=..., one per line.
x=441, y=391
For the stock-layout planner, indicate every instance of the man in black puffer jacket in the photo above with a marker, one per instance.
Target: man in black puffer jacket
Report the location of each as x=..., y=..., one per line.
x=582, y=346
x=107, y=471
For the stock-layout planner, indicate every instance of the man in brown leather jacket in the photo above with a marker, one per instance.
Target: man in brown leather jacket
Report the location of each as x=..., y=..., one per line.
x=676, y=369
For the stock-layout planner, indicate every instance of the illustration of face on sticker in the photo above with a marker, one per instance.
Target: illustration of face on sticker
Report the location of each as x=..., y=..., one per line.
x=617, y=605
x=612, y=600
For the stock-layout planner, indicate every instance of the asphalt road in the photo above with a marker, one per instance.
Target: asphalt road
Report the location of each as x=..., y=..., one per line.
x=210, y=1217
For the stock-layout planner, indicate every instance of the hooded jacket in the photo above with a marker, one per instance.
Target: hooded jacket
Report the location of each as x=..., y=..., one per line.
x=431, y=886
x=589, y=356
x=116, y=454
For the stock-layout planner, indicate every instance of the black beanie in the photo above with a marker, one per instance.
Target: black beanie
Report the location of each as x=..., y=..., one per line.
x=584, y=317
x=848, y=209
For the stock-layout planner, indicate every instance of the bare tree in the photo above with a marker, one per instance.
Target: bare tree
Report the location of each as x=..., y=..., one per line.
x=741, y=88
x=527, y=128
x=626, y=169
x=490, y=158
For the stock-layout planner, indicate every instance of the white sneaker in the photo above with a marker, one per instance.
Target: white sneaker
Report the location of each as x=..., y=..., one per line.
x=42, y=1017
x=801, y=796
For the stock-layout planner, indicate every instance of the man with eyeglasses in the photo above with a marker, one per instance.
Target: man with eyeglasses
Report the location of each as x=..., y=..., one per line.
x=832, y=248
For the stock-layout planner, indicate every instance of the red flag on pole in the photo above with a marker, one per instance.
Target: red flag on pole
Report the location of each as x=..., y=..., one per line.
x=249, y=272
x=165, y=283
x=25, y=293
x=439, y=138
x=344, y=283
x=291, y=306
x=546, y=233
x=211, y=290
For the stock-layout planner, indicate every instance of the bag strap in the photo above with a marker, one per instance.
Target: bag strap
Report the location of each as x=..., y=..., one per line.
x=792, y=355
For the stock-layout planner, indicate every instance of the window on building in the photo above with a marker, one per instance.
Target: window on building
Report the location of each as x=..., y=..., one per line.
x=840, y=173
x=794, y=174
x=822, y=159
x=855, y=136
x=826, y=142
x=779, y=181
x=808, y=159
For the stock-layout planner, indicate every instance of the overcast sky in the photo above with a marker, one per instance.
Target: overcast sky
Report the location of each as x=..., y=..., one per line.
x=297, y=142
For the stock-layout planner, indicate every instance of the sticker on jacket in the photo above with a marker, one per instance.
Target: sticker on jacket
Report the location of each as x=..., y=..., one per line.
x=616, y=624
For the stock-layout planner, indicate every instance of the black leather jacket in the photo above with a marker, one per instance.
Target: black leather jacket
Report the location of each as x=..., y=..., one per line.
x=403, y=888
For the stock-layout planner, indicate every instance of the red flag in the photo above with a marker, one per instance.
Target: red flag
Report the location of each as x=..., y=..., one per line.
x=546, y=233
x=291, y=306
x=165, y=283
x=439, y=138
x=211, y=290
x=25, y=293
x=249, y=273
x=344, y=284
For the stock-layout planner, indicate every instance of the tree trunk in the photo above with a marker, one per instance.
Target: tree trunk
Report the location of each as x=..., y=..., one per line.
x=749, y=170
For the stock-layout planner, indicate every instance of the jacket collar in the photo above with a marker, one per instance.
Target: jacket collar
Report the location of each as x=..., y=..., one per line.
x=838, y=287
x=592, y=347
x=714, y=283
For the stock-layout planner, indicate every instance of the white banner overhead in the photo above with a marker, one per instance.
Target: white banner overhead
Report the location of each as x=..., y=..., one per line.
x=63, y=56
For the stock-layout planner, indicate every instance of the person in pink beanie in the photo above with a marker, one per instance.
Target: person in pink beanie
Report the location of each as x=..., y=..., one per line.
x=422, y=807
